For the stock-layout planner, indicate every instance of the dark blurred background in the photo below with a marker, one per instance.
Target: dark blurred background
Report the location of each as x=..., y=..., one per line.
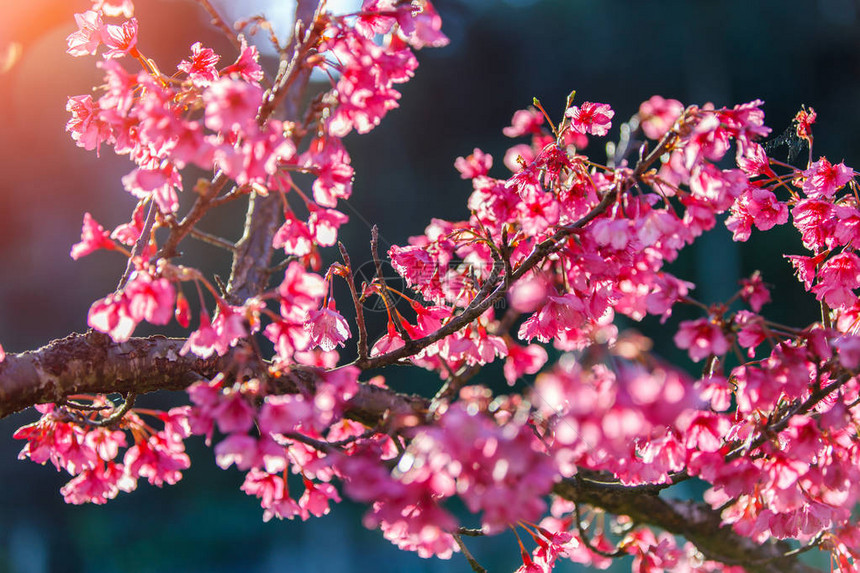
x=502, y=54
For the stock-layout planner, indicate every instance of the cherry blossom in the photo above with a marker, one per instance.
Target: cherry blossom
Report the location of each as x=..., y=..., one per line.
x=702, y=338
x=823, y=179
x=554, y=252
x=328, y=329
x=592, y=118
x=93, y=238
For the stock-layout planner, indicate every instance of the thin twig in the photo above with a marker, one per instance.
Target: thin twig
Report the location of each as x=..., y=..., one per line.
x=212, y=240
x=219, y=22
x=359, y=309
x=472, y=561
x=470, y=532
x=200, y=207
x=115, y=417
x=383, y=286
x=139, y=245
x=583, y=535
x=232, y=195
x=282, y=266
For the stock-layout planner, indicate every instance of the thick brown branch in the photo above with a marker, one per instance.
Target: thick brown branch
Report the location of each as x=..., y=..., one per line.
x=249, y=275
x=697, y=522
x=92, y=363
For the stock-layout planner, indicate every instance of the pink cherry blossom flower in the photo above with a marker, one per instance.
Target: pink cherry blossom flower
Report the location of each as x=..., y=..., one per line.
x=159, y=182
x=87, y=128
x=231, y=104
x=239, y=449
x=525, y=122
x=665, y=291
x=120, y=39
x=426, y=28
x=744, y=121
x=709, y=140
x=804, y=268
x=474, y=165
x=753, y=160
x=300, y=292
x=657, y=115
x=701, y=338
x=561, y=313
x=529, y=293
x=705, y=431
x=717, y=187
x=328, y=329
x=414, y=264
x=389, y=342
x=315, y=500
x=717, y=391
x=823, y=179
x=593, y=118
x=323, y=224
x=283, y=414
x=539, y=211
x=258, y=157
x=523, y=360
x=112, y=316
x=847, y=230
x=246, y=65
x=233, y=414
x=755, y=206
x=201, y=66
x=803, y=122
x=157, y=459
x=752, y=332
x=848, y=349
x=202, y=341
x=377, y=17
x=293, y=236
x=816, y=220
x=837, y=279
x=88, y=38
x=93, y=238
x=98, y=485
x=518, y=156
x=273, y=494
x=150, y=299
x=755, y=292
x=328, y=159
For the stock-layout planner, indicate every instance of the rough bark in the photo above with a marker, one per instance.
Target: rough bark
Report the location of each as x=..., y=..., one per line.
x=250, y=273
x=696, y=522
x=91, y=363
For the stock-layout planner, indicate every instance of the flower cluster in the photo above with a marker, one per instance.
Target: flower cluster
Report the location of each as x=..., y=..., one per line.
x=285, y=432
x=90, y=452
x=563, y=242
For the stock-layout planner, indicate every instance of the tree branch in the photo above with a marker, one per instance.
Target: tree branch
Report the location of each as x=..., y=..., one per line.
x=92, y=363
x=249, y=275
x=697, y=522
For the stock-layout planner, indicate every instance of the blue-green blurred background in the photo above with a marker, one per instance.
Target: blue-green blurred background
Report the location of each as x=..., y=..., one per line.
x=502, y=54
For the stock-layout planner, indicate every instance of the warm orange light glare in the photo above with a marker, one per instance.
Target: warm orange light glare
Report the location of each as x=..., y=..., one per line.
x=9, y=56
